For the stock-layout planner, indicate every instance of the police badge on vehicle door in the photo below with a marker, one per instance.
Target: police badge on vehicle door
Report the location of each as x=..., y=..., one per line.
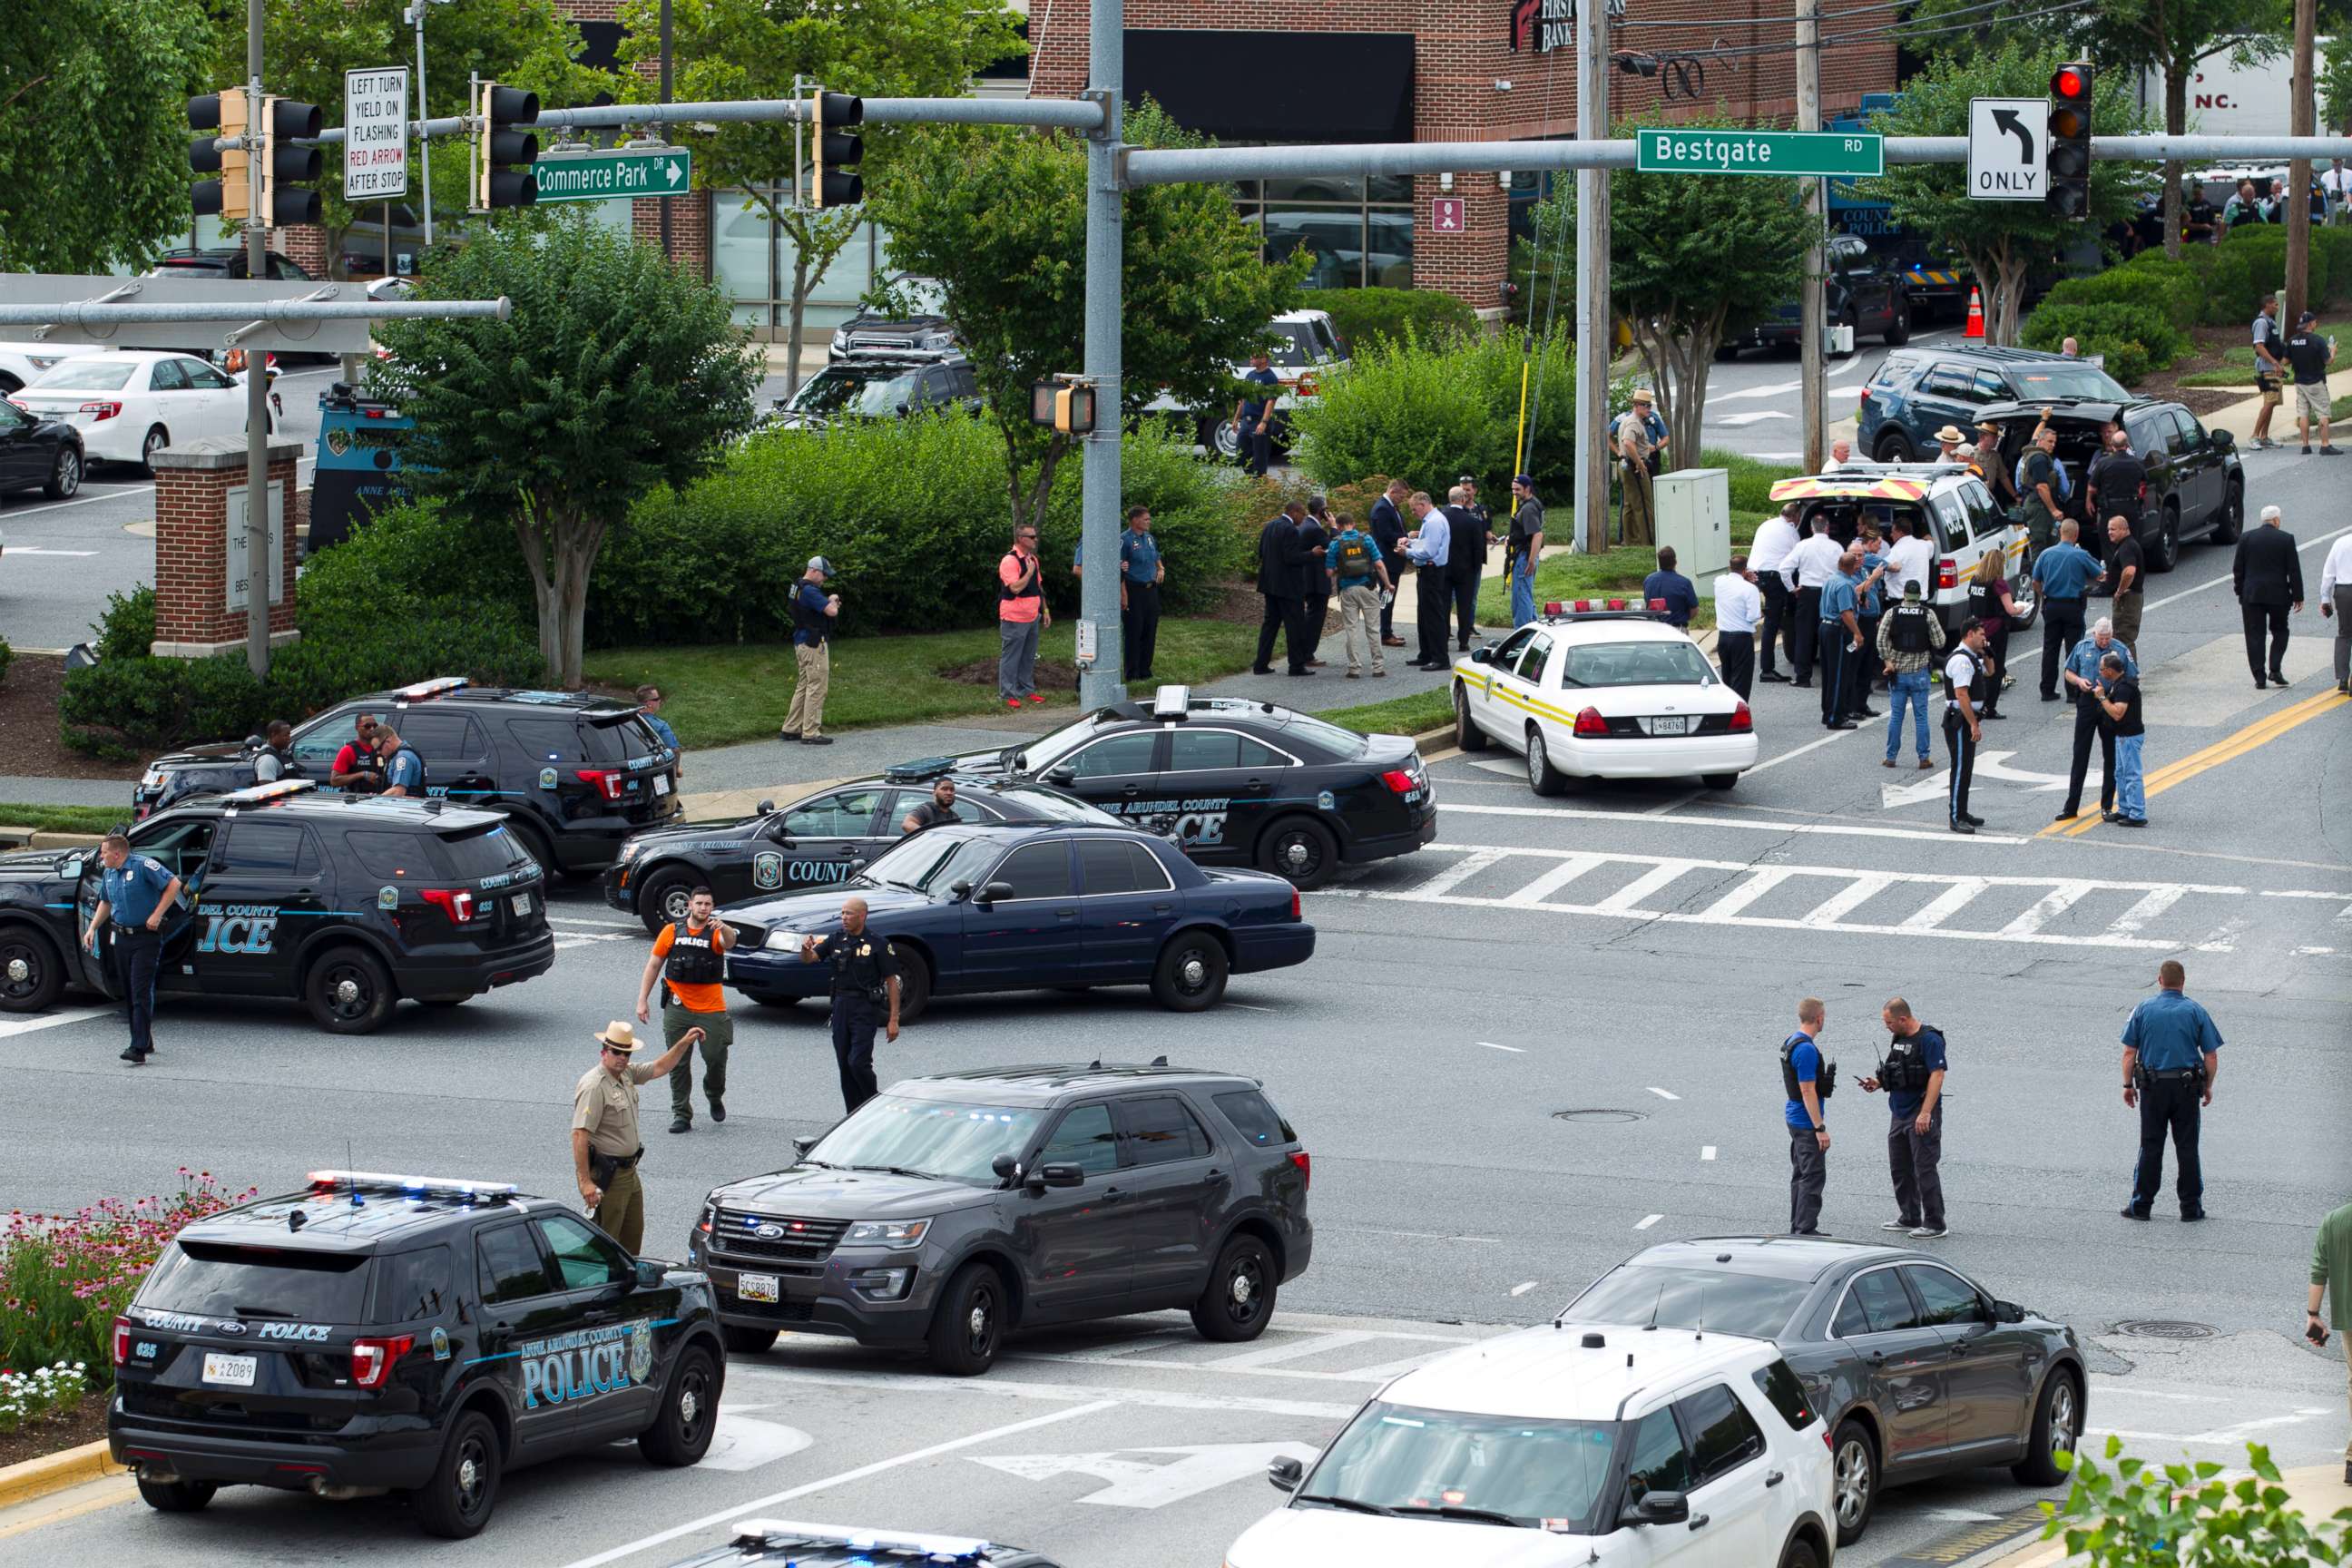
x=767, y=869
x=641, y=1353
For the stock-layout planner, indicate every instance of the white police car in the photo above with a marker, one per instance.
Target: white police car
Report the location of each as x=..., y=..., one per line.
x=1602, y=689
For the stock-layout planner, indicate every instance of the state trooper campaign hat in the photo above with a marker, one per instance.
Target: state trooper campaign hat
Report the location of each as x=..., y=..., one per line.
x=619, y=1037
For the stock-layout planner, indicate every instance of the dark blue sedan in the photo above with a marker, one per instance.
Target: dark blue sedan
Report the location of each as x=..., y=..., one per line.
x=1016, y=907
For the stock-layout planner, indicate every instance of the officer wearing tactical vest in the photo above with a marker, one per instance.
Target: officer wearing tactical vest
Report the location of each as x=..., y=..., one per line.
x=864, y=978
x=1912, y=1074
x=275, y=761
x=814, y=613
x=1810, y=1078
x=1909, y=638
x=692, y=961
x=1966, y=683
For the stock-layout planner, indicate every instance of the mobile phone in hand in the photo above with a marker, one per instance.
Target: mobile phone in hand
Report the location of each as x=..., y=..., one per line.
x=2315, y=1332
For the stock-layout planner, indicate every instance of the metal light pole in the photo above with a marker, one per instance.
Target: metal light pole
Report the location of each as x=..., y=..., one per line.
x=1102, y=683
x=258, y=522
x=424, y=143
x=1593, y=348
x=665, y=97
x=1813, y=394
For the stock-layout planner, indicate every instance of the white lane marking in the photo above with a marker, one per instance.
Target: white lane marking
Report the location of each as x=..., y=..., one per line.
x=1769, y=389
x=1706, y=1151
x=1389, y=1368
x=2115, y=1386
x=1646, y=1221
x=1010, y=1388
x=1946, y=904
x=1831, y=738
x=51, y=1020
x=1628, y=899
x=1143, y=1483
x=1758, y=884
x=746, y=1443
x=2313, y=951
x=744, y=1509
x=1663, y=1094
x=608, y=922
x=1831, y=913
x=1297, y=1350
x=2048, y=907
x=77, y=554
x=1110, y=1355
x=1741, y=421
x=2216, y=582
x=584, y=940
x=1411, y=1234
x=1553, y=880
x=1515, y=1050
x=1454, y=875
x=1249, y=1006
x=78, y=500
x=1524, y=1287
x=1779, y=829
x=2239, y=1431
x=2151, y=905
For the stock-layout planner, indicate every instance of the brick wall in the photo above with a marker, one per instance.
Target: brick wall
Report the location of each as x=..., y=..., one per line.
x=192, y=551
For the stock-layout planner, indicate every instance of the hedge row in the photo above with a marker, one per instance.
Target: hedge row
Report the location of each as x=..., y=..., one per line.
x=1364, y=316
x=1430, y=413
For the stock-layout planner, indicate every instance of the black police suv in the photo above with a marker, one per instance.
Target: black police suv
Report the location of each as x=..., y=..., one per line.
x=573, y=773
x=1918, y=1369
x=1863, y=292
x=950, y=1211
x=1021, y=906
x=383, y=1333
x=346, y=903
x=817, y=842
x=789, y=1543
x=1241, y=783
x=2195, y=480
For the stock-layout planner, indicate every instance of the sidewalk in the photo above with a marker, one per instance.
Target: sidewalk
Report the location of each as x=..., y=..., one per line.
x=2317, y=1491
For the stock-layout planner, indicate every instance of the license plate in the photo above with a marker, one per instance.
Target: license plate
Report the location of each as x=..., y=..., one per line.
x=233, y=1370
x=661, y=784
x=1670, y=726
x=522, y=903
x=756, y=1287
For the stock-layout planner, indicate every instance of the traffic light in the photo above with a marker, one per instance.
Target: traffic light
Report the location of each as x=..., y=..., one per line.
x=837, y=183
x=286, y=168
x=1066, y=406
x=2066, y=162
x=228, y=196
x=496, y=111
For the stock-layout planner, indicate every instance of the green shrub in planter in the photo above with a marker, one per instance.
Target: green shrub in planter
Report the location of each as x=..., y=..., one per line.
x=2168, y=288
x=127, y=628
x=2227, y=276
x=1366, y=315
x=2134, y=338
x=1428, y=413
x=2264, y=248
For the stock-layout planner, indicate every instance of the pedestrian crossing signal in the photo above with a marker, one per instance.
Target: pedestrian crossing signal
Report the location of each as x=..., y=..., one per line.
x=2066, y=158
x=1067, y=406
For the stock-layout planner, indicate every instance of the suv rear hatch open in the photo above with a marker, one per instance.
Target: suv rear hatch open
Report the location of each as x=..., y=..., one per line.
x=629, y=769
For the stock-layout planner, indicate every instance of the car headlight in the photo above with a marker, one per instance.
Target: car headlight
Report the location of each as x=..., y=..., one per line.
x=841, y=337
x=894, y=1234
x=782, y=942
x=629, y=852
x=937, y=340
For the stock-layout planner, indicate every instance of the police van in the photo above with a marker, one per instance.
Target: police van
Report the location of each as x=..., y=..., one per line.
x=419, y=1335
x=346, y=903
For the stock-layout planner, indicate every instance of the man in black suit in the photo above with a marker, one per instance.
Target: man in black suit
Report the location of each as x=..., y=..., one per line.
x=2268, y=577
x=1282, y=584
x=1471, y=533
x=1388, y=530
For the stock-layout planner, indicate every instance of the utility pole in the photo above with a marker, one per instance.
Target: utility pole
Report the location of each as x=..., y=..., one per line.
x=258, y=521
x=1810, y=327
x=424, y=143
x=1594, y=345
x=2302, y=117
x=665, y=97
x=1103, y=681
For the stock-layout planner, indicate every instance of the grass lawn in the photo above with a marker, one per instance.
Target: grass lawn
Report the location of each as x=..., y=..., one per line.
x=65, y=819
x=1397, y=715
x=719, y=695
x=2237, y=366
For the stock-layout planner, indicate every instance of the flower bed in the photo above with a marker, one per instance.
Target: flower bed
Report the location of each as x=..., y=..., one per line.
x=27, y=1396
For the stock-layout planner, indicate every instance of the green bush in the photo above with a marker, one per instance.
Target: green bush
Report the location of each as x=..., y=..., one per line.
x=2335, y=244
x=127, y=629
x=1428, y=413
x=1364, y=316
x=2135, y=339
x=2231, y=297
x=2170, y=290
x=2264, y=248
x=2129, y=1513
x=7, y=655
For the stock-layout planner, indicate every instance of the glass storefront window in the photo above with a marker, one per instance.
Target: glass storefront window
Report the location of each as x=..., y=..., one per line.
x=753, y=260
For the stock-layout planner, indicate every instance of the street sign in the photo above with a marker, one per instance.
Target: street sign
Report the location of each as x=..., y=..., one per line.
x=1845, y=155
x=2006, y=156
x=604, y=176
x=1446, y=215
x=375, y=134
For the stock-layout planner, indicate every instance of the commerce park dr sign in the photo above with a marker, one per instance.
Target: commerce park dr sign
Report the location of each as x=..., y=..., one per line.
x=609, y=176
x=1795, y=154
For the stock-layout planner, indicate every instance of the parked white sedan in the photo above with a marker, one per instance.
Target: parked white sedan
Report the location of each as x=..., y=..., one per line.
x=1602, y=689
x=131, y=405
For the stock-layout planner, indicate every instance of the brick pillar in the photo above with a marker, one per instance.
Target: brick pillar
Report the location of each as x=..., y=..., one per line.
x=689, y=229
x=1470, y=265
x=194, y=618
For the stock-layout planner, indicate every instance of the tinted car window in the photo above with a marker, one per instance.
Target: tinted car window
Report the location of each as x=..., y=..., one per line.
x=2192, y=435
x=384, y=853
x=1254, y=1118
x=1162, y=1128
x=2067, y=378
x=441, y=734
x=478, y=852
x=214, y=1280
x=1192, y=750
x=1035, y=871
x=510, y=1267
x=1852, y=1320
x=1085, y=1139
x=1533, y=658
x=936, y=1138
x=1724, y=1436
x=843, y=813
x=1255, y=755
x=411, y=1285
x=271, y=849
x=1111, y=867
x=1506, y=652
x=1944, y=1299
x=1895, y=371
x=554, y=740
x=1658, y=1463
x=1050, y=803
x=1635, y=663
x=1785, y=1394
x=584, y=1256
x=1885, y=1299
x=618, y=740
x=205, y=378
x=169, y=375
x=1948, y=381
x=1118, y=754
x=1690, y=1299
x=1988, y=387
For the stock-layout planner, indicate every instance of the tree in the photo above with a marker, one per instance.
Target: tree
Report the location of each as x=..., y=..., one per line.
x=93, y=137
x=308, y=45
x=617, y=374
x=755, y=49
x=999, y=216
x=1999, y=241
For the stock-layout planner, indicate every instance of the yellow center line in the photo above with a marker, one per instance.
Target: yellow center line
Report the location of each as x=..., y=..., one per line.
x=2261, y=732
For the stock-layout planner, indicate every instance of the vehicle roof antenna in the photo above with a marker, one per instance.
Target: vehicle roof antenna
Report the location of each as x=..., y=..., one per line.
x=1700, y=1332
x=1159, y=1062
x=1651, y=1326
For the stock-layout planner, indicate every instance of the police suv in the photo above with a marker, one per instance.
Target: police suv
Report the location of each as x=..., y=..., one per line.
x=346, y=903
x=575, y=773
x=382, y=1334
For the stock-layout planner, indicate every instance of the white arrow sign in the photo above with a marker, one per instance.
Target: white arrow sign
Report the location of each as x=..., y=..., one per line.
x=1990, y=766
x=2006, y=154
x=1153, y=1478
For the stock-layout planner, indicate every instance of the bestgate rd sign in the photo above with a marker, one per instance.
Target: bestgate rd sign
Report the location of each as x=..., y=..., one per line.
x=604, y=176
x=1788, y=153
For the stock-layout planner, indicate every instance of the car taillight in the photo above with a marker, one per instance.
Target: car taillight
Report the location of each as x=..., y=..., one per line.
x=1948, y=573
x=122, y=1328
x=1306, y=1166
x=372, y=1359
x=1402, y=782
x=1294, y=904
x=104, y=410
x=1590, y=722
x=606, y=780
x=1743, y=722
x=456, y=903
x=1827, y=1441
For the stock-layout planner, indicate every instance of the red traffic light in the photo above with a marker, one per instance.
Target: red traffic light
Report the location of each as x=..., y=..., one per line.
x=2070, y=81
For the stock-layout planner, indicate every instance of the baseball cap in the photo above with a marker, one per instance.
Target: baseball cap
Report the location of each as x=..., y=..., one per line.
x=1527, y=479
x=2307, y=318
x=819, y=563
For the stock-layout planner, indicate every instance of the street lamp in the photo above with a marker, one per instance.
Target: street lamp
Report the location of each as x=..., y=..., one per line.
x=414, y=16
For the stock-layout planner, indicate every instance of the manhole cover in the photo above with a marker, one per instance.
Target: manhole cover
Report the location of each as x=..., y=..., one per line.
x=1599, y=1115
x=2166, y=1329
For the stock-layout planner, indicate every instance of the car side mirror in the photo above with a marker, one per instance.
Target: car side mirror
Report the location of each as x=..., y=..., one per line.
x=801, y=1147
x=1482, y=654
x=2221, y=438
x=2008, y=1312
x=961, y=887
x=1061, y=775
x=767, y=807
x=650, y=1273
x=990, y=893
x=1284, y=1474
x=1060, y=1176
x=1656, y=1507
x=1005, y=1167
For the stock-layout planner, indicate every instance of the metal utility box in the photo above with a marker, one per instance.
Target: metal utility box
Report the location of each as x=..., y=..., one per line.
x=1694, y=515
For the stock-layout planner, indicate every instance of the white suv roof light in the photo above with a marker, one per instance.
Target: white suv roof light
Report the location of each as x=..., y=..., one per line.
x=1171, y=703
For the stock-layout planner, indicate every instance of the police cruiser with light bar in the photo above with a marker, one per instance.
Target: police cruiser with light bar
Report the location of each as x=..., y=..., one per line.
x=787, y=1543
x=417, y=1335
x=1237, y=782
x=347, y=903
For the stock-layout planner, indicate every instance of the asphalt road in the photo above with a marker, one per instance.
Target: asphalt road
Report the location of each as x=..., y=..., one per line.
x=1631, y=950
x=1753, y=404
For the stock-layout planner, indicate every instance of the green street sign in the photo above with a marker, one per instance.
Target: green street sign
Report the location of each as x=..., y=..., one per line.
x=606, y=176
x=1790, y=153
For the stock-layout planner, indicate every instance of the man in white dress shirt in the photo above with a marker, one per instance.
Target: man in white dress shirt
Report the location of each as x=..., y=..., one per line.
x=2335, y=603
x=1738, y=607
x=1809, y=570
x=1776, y=539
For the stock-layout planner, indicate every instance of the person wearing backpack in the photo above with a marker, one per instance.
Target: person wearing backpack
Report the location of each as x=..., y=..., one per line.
x=1912, y=1074
x=1910, y=635
x=1359, y=577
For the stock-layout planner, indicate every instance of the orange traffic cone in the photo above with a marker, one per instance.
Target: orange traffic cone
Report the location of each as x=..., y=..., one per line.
x=1976, y=314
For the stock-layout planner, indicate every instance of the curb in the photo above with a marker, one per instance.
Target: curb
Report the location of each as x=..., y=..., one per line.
x=22, y=1483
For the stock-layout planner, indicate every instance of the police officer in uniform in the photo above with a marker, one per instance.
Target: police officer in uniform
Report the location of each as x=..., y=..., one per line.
x=2171, y=1058
x=355, y=767
x=605, y=1147
x=864, y=973
x=403, y=770
x=1912, y=1074
x=1966, y=682
x=275, y=761
x=132, y=897
x=692, y=960
x=1809, y=1078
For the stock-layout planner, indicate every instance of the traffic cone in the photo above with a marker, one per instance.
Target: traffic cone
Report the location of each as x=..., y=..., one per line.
x=1976, y=314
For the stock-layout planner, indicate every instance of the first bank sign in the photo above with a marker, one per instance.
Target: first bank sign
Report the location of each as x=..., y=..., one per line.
x=1543, y=26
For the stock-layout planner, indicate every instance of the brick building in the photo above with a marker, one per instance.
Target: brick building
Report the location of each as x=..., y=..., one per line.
x=1438, y=70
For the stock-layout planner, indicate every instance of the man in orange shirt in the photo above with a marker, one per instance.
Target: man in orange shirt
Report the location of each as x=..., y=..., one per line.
x=1020, y=613
x=696, y=955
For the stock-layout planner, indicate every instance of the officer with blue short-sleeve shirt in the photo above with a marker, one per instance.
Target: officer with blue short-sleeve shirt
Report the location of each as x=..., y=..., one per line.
x=1808, y=1079
x=133, y=895
x=2063, y=575
x=2171, y=1058
x=403, y=770
x=1840, y=640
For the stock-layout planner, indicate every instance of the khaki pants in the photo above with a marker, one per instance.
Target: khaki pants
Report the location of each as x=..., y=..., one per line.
x=718, y=1038
x=2345, y=1340
x=1360, y=627
x=1636, y=508
x=622, y=1214
x=807, y=716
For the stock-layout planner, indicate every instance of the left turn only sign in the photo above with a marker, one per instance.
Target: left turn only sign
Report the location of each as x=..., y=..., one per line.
x=375, y=134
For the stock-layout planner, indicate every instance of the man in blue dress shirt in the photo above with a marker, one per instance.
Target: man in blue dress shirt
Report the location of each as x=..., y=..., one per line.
x=1680, y=598
x=1427, y=547
x=2081, y=674
x=133, y=895
x=2063, y=575
x=1840, y=640
x=1140, y=573
x=2171, y=1058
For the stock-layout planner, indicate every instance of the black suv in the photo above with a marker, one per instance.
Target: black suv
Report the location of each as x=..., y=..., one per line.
x=915, y=324
x=1862, y=292
x=575, y=774
x=1917, y=391
x=781, y=1543
x=879, y=387
x=346, y=902
x=950, y=1211
x=378, y=1333
x=2196, y=481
